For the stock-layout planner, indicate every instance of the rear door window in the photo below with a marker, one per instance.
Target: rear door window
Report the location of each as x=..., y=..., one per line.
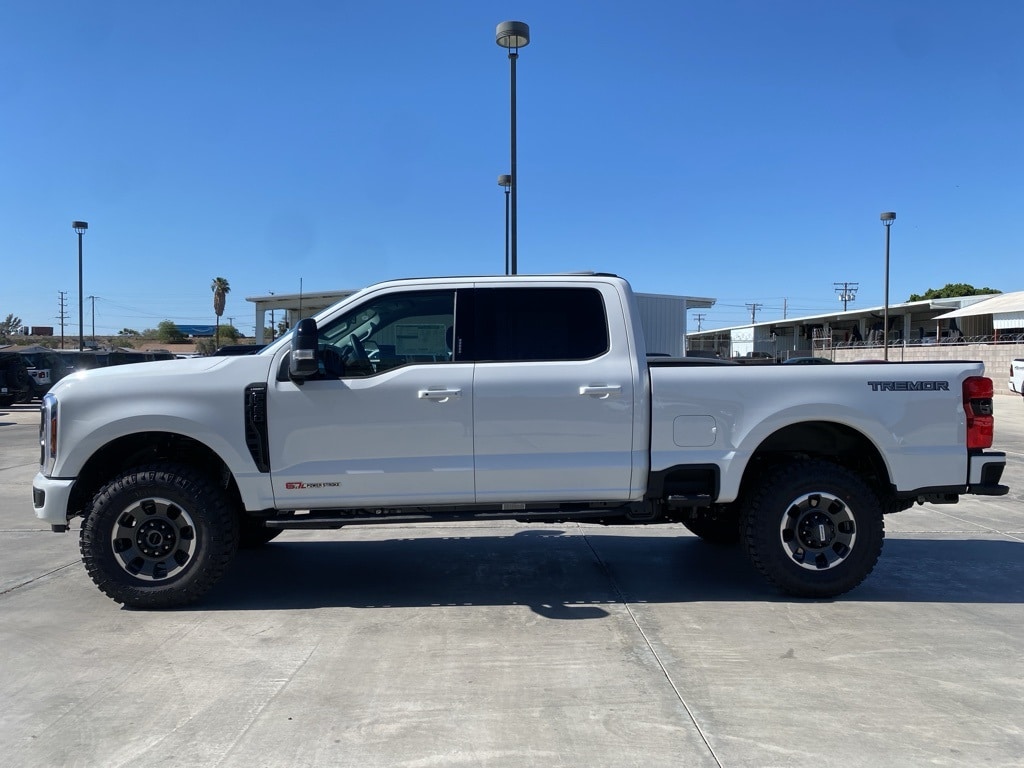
x=538, y=324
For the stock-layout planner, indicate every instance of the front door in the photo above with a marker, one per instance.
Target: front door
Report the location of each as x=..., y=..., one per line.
x=389, y=419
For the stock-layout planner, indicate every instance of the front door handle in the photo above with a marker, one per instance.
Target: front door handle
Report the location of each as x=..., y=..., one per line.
x=601, y=391
x=439, y=395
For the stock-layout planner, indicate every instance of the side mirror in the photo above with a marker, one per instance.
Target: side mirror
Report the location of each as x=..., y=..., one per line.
x=302, y=362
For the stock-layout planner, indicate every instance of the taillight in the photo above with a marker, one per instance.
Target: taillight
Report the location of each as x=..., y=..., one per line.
x=978, y=407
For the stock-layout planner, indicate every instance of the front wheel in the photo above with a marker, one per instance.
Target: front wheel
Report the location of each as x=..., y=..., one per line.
x=814, y=529
x=158, y=536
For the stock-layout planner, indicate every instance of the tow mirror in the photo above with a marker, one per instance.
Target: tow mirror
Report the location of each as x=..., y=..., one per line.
x=302, y=362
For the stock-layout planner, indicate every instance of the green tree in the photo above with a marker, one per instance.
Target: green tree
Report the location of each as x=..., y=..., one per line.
x=951, y=291
x=220, y=289
x=9, y=326
x=276, y=331
x=230, y=333
x=168, y=332
x=205, y=346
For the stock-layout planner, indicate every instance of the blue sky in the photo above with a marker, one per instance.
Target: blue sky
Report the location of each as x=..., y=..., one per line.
x=735, y=149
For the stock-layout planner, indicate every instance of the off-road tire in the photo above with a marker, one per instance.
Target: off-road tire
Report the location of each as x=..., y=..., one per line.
x=158, y=536
x=813, y=528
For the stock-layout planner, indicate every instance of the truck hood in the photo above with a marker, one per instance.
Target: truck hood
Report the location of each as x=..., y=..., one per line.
x=182, y=373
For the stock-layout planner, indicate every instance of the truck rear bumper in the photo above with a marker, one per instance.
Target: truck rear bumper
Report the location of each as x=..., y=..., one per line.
x=984, y=472
x=50, y=500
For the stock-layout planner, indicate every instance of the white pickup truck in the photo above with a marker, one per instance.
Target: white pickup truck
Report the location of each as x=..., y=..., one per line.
x=1016, y=382
x=527, y=398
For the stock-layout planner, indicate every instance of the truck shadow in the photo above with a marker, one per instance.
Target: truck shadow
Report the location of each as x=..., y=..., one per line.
x=575, y=577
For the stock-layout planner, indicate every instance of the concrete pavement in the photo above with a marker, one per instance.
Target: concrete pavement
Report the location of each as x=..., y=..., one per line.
x=512, y=645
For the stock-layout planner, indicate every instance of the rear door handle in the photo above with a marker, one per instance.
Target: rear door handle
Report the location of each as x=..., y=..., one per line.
x=601, y=391
x=439, y=395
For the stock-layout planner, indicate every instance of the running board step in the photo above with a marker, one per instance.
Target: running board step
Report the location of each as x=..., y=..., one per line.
x=689, y=500
x=333, y=521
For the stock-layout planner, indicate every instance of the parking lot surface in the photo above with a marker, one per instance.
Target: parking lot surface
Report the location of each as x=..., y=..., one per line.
x=512, y=645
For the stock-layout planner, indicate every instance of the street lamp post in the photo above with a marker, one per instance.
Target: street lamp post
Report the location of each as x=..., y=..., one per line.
x=513, y=35
x=273, y=328
x=80, y=227
x=505, y=181
x=887, y=219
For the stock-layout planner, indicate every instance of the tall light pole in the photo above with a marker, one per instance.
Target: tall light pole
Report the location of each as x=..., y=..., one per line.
x=513, y=35
x=80, y=227
x=887, y=219
x=505, y=181
x=273, y=328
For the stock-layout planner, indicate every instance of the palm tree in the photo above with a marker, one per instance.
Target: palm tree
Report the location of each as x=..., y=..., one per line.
x=220, y=289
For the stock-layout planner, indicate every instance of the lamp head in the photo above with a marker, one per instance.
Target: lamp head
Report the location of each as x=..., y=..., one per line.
x=888, y=218
x=512, y=34
x=505, y=180
x=79, y=226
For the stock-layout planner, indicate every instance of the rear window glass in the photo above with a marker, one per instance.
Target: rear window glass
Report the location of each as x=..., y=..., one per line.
x=531, y=324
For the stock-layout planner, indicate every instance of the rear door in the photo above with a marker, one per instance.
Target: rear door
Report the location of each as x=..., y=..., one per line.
x=553, y=395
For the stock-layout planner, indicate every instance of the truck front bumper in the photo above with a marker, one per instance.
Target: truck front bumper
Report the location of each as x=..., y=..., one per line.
x=50, y=497
x=984, y=472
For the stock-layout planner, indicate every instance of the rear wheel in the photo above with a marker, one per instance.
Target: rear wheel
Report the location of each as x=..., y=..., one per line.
x=158, y=536
x=814, y=529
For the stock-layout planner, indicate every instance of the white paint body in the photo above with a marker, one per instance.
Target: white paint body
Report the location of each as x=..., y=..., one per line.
x=1016, y=383
x=503, y=432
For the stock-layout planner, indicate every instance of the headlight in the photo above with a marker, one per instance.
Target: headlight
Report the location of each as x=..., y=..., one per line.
x=47, y=434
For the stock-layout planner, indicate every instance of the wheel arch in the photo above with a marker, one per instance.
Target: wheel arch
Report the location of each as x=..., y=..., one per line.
x=832, y=441
x=140, y=448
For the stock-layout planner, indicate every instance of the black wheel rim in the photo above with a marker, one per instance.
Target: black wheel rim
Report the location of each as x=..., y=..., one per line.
x=153, y=539
x=818, y=531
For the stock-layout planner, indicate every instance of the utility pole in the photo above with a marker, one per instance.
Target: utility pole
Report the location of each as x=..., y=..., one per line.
x=753, y=311
x=62, y=299
x=698, y=317
x=847, y=292
x=93, y=299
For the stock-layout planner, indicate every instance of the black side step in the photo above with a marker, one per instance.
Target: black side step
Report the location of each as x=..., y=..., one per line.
x=689, y=500
x=333, y=520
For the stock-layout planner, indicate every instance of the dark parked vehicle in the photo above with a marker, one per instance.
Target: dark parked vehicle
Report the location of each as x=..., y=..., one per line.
x=15, y=380
x=101, y=358
x=237, y=349
x=47, y=367
x=807, y=361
